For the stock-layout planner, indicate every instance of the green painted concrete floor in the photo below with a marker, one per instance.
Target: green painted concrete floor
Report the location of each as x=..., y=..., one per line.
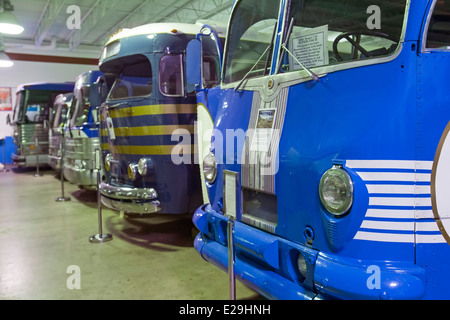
x=45, y=251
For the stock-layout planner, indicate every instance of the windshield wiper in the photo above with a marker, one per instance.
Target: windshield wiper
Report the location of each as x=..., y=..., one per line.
x=269, y=56
x=314, y=76
x=251, y=70
x=266, y=66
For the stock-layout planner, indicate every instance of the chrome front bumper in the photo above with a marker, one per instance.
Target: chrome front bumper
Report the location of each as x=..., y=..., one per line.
x=29, y=160
x=132, y=200
x=54, y=162
x=85, y=178
x=269, y=264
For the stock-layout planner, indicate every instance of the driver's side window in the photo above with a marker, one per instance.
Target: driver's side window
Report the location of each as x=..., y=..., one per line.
x=349, y=30
x=438, y=33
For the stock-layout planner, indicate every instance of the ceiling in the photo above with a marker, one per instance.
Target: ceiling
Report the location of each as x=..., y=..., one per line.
x=49, y=23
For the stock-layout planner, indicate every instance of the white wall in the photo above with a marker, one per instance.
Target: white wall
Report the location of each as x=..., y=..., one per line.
x=25, y=72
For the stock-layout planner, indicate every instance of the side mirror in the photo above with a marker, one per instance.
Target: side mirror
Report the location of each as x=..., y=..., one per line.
x=96, y=94
x=194, y=64
x=8, y=119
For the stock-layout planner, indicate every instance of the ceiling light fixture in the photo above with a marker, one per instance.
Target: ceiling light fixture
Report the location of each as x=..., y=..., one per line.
x=8, y=21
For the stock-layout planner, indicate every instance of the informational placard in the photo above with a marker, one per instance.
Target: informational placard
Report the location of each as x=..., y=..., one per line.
x=263, y=131
x=230, y=193
x=310, y=47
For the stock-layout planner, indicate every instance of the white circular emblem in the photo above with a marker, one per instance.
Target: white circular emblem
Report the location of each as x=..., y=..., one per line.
x=440, y=185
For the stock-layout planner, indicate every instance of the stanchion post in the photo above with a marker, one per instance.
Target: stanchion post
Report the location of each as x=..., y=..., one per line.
x=61, y=168
x=231, y=257
x=100, y=237
x=36, y=147
x=230, y=195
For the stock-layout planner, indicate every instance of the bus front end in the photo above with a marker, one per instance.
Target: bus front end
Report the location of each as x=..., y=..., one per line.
x=58, y=118
x=82, y=131
x=30, y=118
x=327, y=128
x=147, y=125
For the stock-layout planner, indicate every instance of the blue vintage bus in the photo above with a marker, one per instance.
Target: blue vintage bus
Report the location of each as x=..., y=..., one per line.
x=30, y=116
x=148, y=121
x=82, y=130
x=330, y=149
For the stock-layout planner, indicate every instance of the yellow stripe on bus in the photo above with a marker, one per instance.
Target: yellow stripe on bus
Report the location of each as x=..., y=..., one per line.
x=153, y=110
x=152, y=150
x=148, y=131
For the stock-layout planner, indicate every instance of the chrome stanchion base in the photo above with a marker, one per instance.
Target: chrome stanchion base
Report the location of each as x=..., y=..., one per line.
x=62, y=199
x=99, y=238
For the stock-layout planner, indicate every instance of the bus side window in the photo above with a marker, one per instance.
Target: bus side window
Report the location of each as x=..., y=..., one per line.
x=171, y=76
x=438, y=34
x=210, y=72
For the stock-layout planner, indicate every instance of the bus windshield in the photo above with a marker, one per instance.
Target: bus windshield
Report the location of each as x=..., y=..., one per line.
x=317, y=33
x=250, y=34
x=32, y=106
x=59, y=118
x=134, y=80
x=80, y=107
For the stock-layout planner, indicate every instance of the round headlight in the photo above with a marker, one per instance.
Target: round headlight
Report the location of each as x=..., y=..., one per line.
x=132, y=171
x=210, y=168
x=336, y=191
x=144, y=166
x=108, y=162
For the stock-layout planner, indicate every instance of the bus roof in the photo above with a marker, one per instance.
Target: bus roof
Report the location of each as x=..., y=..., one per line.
x=165, y=27
x=65, y=86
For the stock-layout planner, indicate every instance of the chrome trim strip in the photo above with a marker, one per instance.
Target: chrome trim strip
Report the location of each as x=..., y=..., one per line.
x=124, y=193
x=425, y=29
x=139, y=208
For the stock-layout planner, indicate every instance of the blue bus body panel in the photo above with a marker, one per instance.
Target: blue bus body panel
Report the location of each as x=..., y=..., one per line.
x=367, y=126
x=433, y=115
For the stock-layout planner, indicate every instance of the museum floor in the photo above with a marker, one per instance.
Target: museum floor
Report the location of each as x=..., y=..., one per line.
x=45, y=250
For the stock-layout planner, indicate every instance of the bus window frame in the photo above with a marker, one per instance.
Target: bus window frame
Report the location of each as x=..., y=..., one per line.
x=119, y=77
x=80, y=104
x=424, y=48
x=301, y=75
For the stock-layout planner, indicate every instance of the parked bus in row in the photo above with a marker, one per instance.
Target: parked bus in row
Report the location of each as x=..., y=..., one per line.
x=330, y=149
x=31, y=111
x=57, y=122
x=148, y=121
x=82, y=130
